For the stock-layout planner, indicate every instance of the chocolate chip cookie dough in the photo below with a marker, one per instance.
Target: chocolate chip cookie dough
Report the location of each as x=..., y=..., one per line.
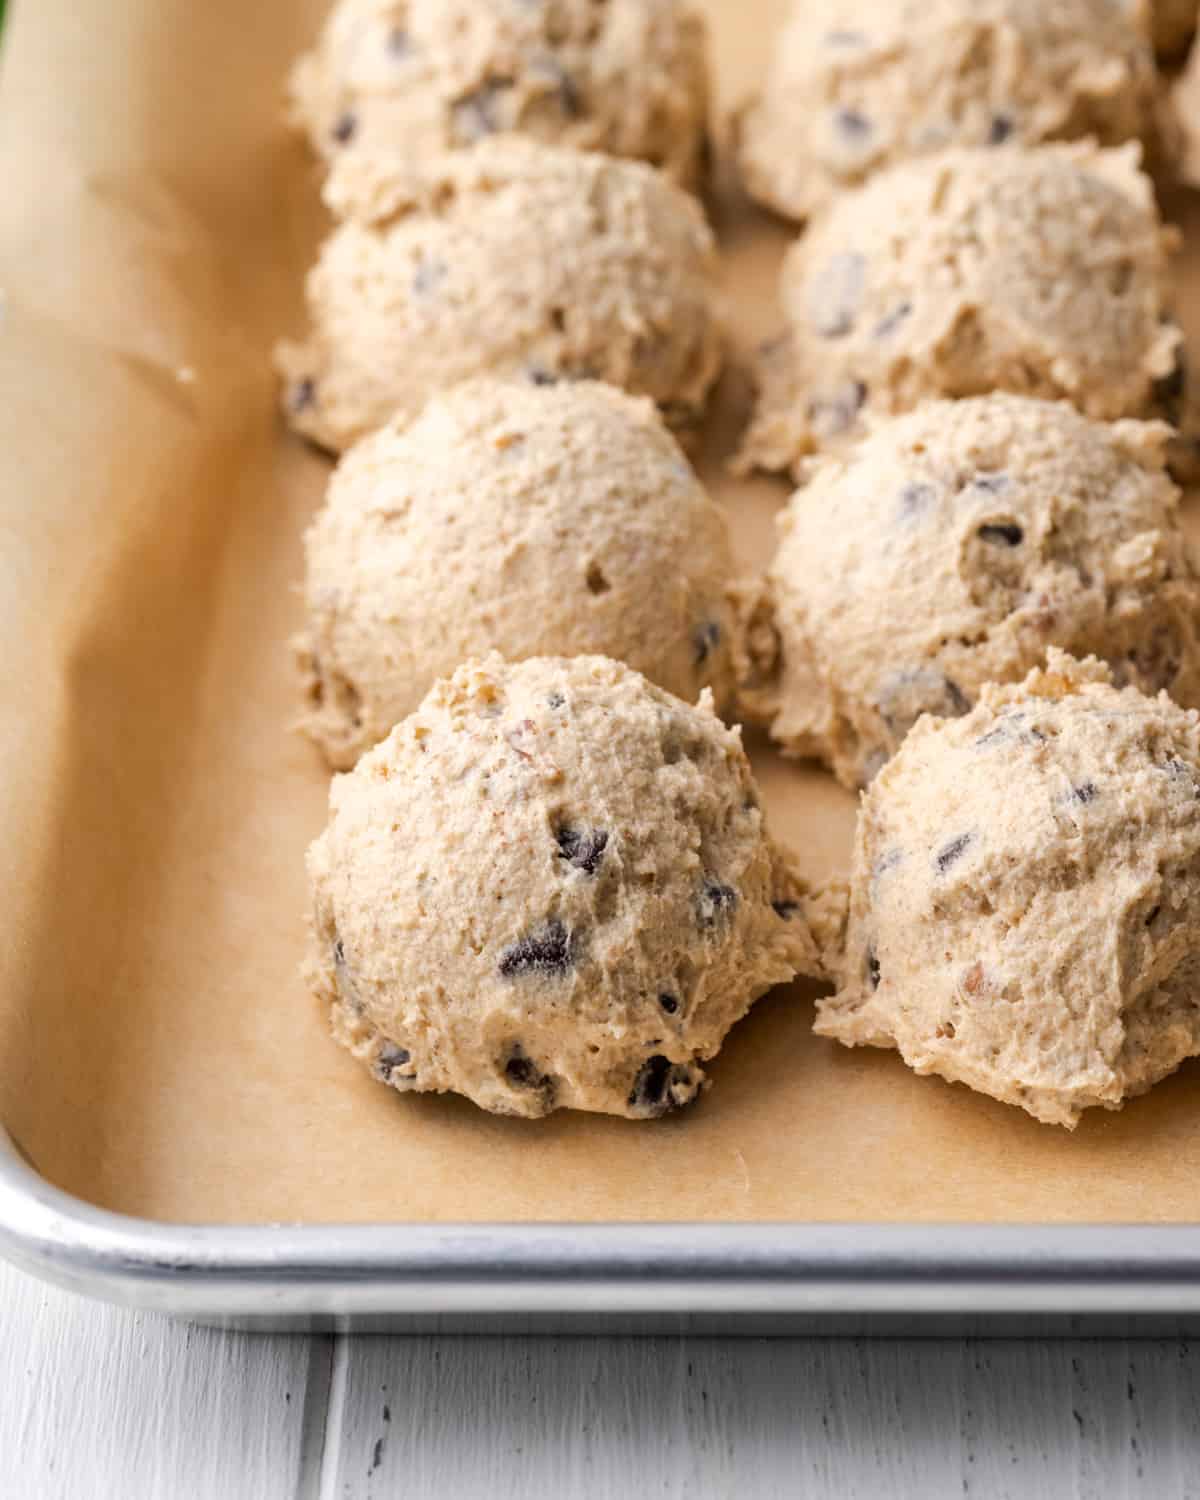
x=415, y=77
x=949, y=549
x=1025, y=896
x=515, y=259
x=1042, y=272
x=856, y=85
x=550, y=887
x=527, y=519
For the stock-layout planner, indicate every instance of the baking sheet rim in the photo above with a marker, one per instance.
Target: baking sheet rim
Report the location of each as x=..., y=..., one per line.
x=281, y=1272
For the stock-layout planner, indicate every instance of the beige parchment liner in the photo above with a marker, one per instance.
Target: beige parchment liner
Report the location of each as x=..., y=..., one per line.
x=158, y=1053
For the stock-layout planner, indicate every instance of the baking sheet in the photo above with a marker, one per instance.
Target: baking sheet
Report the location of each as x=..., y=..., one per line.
x=158, y=1053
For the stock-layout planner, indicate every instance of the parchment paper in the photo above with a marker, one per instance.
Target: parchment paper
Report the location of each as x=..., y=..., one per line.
x=158, y=1053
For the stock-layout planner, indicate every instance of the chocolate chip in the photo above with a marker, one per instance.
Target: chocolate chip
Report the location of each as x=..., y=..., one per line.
x=541, y=376
x=890, y=859
x=669, y=1003
x=1182, y=776
x=344, y=980
x=852, y=125
x=705, y=639
x=713, y=901
x=872, y=969
x=344, y=127
x=952, y=852
x=521, y=1072
x=1011, y=727
x=661, y=1085
x=555, y=700
x=478, y=113
x=388, y=1059
x=1169, y=389
x=892, y=320
x=398, y=42
x=835, y=293
x=1007, y=532
x=569, y=101
x=550, y=949
x=582, y=850
x=992, y=483
x=835, y=411
x=650, y=1084
x=903, y=696
x=302, y=394
x=1085, y=793
x=915, y=497
x=1001, y=128
x=785, y=909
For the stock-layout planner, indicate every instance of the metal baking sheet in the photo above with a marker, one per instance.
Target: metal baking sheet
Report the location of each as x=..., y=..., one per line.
x=745, y=1279
x=189, y=1138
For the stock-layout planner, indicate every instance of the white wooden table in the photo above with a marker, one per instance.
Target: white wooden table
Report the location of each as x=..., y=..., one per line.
x=97, y=1402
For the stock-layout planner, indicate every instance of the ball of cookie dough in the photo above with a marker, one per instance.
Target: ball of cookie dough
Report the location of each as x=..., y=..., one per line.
x=1025, y=896
x=856, y=85
x=949, y=549
x=415, y=77
x=527, y=519
x=1041, y=271
x=550, y=887
x=511, y=259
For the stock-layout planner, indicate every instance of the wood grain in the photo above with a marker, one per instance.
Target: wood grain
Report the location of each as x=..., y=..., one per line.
x=100, y=1402
x=497, y=1418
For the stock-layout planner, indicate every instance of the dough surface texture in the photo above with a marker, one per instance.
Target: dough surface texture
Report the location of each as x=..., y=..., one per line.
x=550, y=887
x=1025, y=896
x=513, y=259
x=857, y=85
x=415, y=77
x=1042, y=272
x=530, y=520
x=950, y=549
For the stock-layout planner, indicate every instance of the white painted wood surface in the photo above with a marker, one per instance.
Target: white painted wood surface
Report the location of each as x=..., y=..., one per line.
x=96, y=1402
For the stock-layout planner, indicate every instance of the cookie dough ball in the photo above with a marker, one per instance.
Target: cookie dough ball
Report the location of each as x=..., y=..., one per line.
x=950, y=549
x=511, y=259
x=415, y=77
x=1170, y=24
x=856, y=85
x=527, y=519
x=1025, y=896
x=1042, y=272
x=550, y=888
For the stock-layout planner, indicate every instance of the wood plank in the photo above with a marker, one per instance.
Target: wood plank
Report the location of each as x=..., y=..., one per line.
x=95, y=1401
x=1035, y=1421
